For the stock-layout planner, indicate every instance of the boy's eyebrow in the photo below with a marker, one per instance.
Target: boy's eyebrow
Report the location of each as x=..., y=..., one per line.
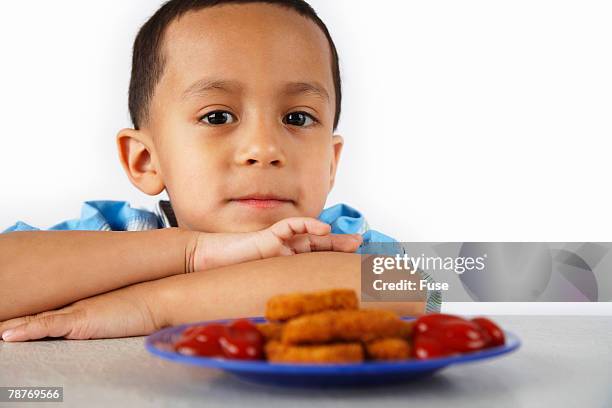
x=205, y=85
x=309, y=88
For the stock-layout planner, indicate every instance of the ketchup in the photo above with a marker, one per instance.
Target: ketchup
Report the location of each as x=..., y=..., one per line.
x=439, y=335
x=238, y=340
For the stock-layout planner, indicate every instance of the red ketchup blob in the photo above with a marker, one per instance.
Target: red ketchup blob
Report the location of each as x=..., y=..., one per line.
x=496, y=334
x=439, y=335
x=238, y=340
x=242, y=340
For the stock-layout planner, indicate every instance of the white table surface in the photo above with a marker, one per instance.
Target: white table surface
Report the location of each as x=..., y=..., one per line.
x=565, y=361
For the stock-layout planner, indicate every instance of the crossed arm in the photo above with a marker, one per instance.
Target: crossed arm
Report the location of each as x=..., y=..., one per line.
x=231, y=291
x=92, y=284
x=43, y=270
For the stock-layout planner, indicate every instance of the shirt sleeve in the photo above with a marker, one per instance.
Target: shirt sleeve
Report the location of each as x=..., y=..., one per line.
x=20, y=226
x=102, y=215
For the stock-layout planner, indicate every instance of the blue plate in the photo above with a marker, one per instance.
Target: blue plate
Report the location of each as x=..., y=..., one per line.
x=367, y=373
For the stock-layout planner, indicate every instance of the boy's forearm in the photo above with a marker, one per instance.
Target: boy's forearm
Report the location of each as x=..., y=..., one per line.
x=242, y=290
x=43, y=270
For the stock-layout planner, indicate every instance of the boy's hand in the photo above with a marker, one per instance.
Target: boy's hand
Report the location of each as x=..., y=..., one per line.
x=120, y=313
x=287, y=237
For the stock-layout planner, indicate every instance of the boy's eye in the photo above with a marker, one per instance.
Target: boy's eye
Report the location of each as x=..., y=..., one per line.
x=218, y=118
x=299, y=119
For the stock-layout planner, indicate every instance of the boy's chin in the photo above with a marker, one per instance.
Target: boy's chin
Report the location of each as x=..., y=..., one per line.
x=251, y=226
x=235, y=226
x=238, y=219
x=250, y=219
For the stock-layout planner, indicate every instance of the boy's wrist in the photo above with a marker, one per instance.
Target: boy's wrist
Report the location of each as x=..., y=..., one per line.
x=160, y=296
x=213, y=250
x=189, y=243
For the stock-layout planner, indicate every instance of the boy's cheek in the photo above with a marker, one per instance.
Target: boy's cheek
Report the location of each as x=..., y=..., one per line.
x=315, y=190
x=192, y=212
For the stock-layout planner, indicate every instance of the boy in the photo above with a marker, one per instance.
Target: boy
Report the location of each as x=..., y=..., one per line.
x=234, y=105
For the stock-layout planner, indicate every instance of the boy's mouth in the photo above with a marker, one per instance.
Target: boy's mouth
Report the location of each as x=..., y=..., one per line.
x=262, y=201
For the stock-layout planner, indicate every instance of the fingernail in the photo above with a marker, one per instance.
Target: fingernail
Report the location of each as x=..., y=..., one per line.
x=8, y=335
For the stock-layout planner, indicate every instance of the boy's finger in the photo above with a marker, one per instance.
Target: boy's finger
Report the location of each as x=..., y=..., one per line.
x=345, y=242
x=7, y=324
x=301, y=243
x=287, y=228
x=335, y=242
x=53, y=325
x=18, y=321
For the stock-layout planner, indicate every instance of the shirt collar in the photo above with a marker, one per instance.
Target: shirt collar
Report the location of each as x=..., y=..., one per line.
x=166, y=214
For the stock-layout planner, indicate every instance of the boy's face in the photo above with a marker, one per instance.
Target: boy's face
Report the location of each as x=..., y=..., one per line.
x=241, y=123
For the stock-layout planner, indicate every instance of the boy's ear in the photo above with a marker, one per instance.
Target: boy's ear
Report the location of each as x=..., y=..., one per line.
x=337, y=144
x=139, y=160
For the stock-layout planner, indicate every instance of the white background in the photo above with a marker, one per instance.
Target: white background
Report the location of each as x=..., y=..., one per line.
x=463, y=120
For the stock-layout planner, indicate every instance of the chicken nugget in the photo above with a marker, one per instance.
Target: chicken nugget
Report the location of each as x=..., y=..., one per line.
x=343, y=325
x=407, y=329
x=284, y=307
x=321, y=353
x=270, y=330
x=390, y=348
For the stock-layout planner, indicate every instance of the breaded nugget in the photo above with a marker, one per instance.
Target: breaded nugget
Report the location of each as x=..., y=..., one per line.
x=319, y=353
x=270, y=330
x=343, y=325
x=284, y=307
x=390, y=348
x=407, y=329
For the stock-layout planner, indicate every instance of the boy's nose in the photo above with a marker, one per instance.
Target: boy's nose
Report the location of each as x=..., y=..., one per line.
x=261, y=148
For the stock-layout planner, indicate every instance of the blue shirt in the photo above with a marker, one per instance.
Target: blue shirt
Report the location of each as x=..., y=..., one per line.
x=106, y=215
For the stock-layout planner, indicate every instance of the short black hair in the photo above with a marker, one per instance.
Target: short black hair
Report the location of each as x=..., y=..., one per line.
x=148, y=61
